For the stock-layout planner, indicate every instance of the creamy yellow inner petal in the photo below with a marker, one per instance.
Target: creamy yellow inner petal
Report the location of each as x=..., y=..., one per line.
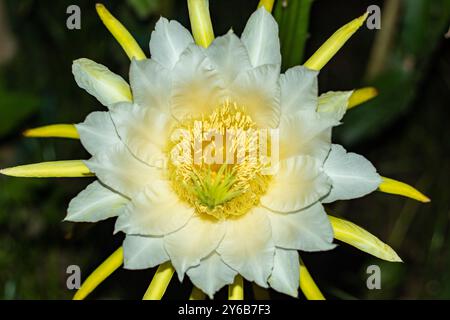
x=215, y=162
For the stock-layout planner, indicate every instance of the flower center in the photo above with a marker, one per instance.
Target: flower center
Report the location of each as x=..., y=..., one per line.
x=217, y=162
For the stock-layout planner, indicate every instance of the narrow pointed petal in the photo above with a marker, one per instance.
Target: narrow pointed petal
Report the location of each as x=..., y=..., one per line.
x=357, y=237
x=324, y=54
x=307, y=284
x=396, y=187
x=197, y=294
x=102, y=272
x=268, y=4
x=236, y=290
x=51, y=169
x=201, y=25
x=107, y=87
x=53, y=131
x=160, y=282
x=120, y=33
x=362, y=95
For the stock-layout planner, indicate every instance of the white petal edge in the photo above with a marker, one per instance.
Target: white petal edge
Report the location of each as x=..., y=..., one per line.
x=334, y=104
x=141, y=252
x=298, y=183
x=352, y=175
x=168, y=41
x=299, y=90
x=95, y=203
x=260, y=37
x=285, y=277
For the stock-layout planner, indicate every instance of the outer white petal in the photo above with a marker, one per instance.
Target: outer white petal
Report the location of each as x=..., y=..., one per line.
x=305, y=133
x=285, y=276
x=248, y=247
x=196, y=86
x=308, y=229
x=299, y=90
x=98, y=81
x=334, y=104
x=298, y=183
x=143, y=252
x=352, y=175
x=119, y=170
x=229, y=57
x=197, y=239
x=156, y=211
x=168, y=41
x=97, y=132
x=151, y=84
x=211, y=274
x=143, y=130
x=95, y=203
x=258, y=91
x=260, y=37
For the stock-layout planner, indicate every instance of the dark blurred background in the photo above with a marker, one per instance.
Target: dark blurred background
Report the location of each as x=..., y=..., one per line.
x=405, y=132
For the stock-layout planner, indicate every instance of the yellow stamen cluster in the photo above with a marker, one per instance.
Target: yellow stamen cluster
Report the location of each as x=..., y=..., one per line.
x=215, y=162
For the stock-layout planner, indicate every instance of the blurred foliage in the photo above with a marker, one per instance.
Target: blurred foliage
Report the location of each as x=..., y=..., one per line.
x=404, y=132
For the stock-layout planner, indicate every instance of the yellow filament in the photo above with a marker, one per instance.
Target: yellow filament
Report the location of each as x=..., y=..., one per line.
x=396, y=187
x=201, y=25
x=307, y=284
x=160, y=282
x=362, y=95
x=357, y=237
x=120, y=33
x=268, y=4
x=52, y=169
x=102, y=272
x=53, y=131
x=324, y=54
x=236, y=290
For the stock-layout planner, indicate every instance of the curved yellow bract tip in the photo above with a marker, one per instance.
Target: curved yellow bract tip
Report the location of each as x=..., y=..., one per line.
x=307, y=284
x=201, y=25
x=160, y=282
x=236, y=289
x=324, y=54
x=362, y=95
x=51, y=169
x=120, y=33
x=103, y=271
x=357, y=237
x=268, y=4
x=53, y=131
x=396, y=187
x=197, y=294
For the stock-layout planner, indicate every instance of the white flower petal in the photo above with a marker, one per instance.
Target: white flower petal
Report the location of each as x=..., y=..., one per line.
x=260, y=37
x=258, y=91
x=197, y=239
x=247, y=246
x=299, y=90
x=229, y=57
x=95, y=203
x=145, y=131
x=298, y=183
x=143, y=252
x=352, y=175
x=211, y=274
x=196, y=89
x=305, y=133
x=97, y=80
x=151, y=84
x=307, y=230
x=285, y=276
x=334, y=104
x=168, y=41
x=156, y=211
x=97, y=132
x=119, y=170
